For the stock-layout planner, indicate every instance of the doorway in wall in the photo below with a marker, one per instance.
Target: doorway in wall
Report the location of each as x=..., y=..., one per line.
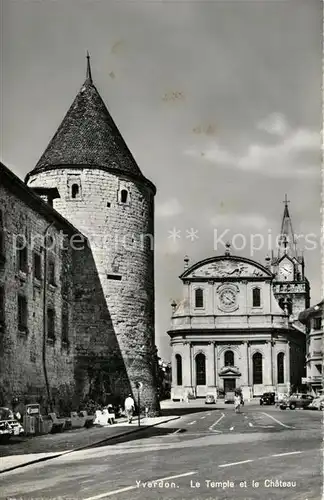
x=229, y=384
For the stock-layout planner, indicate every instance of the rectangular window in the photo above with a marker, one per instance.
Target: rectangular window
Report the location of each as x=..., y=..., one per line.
x=22, y=255
x=2, y=305
x=50, y=323
x=65, y=324
x=51, y=271
x=317, y=323
x=22, y=313
x=37, y=266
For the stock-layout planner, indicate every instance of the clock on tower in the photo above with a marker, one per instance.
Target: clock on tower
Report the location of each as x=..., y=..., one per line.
x=286, y=270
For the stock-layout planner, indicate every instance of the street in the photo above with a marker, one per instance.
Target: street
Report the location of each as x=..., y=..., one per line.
x=209, y=453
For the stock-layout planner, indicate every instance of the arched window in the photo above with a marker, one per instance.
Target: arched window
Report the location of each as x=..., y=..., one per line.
x=229, y=358
x=200, y=369
x=199, y=298
x=124, y=195
x=74, y=190
x=179, y=369
x=256, y=297
x=257, y=368
x=280, y=368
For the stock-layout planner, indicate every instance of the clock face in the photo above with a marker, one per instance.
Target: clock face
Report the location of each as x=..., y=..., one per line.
x=286, y=271
x=227, y=298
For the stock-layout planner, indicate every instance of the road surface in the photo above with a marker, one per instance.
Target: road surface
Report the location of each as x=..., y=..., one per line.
x=209, y=453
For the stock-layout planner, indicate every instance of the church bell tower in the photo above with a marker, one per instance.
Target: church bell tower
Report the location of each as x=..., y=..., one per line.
x=291, y=287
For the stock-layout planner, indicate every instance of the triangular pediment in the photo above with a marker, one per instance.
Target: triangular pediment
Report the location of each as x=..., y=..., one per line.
x=227, y=267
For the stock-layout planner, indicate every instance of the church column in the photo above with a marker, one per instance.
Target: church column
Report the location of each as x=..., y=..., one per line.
x=217, y=381
x=267, y=369
x=274, y=363
x=247, y=354
x=211, y=365
x=215, y=363
x=186, y=370
x=246, y=389
x=287, y=367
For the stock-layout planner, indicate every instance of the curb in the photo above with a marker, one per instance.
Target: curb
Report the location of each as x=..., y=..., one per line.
x=60, y=453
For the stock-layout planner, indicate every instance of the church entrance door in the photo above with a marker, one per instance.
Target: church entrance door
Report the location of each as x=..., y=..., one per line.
x=229, y=384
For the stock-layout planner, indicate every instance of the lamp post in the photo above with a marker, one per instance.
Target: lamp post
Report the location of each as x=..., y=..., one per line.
x=139, y=386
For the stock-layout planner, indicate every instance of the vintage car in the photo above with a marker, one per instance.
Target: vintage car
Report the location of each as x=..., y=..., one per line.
x=297, y=400
x=268, y=398
x=316, y=404
x=9, y=426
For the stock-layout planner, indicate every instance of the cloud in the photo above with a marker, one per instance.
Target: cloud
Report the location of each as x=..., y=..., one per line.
x=168, y=208
x=240, y=220
x=296, y=154
x=274, y=124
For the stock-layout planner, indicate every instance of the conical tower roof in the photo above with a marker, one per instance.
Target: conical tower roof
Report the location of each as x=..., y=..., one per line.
x=89, y=137
x=287, y=241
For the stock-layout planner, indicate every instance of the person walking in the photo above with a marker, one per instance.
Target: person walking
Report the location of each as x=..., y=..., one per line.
x=129, y=408
x=237, y=403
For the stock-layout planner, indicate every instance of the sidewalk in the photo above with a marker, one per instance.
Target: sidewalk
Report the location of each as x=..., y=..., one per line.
x=23, y=451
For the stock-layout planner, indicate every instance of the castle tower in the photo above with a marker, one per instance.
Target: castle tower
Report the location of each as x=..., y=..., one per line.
x=291, y=287
x=105, y=195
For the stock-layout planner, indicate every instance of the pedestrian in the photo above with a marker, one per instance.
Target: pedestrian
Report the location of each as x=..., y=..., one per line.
x=129, y=408
x=237, y=403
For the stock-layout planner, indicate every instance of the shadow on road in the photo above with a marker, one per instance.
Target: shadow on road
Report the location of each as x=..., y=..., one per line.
x=166, y=412
x=145, y=433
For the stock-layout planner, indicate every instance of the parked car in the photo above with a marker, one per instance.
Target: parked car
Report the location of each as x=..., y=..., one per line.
x=16, y=427
x=297, y=400
x=9, y=426
x=229, y=397
x=210, y=399
x=268, y=398
x=317, y=404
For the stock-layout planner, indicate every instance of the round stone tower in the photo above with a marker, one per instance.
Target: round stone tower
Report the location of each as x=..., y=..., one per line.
x=104, y=194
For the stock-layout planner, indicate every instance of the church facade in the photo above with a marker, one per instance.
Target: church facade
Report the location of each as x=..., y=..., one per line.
x=234, y=327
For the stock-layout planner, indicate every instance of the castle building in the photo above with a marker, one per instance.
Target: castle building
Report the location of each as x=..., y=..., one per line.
x=88, y=178
x=234, y=327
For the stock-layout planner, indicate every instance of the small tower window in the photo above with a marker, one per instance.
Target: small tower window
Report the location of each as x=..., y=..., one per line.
x=179, y=369
x=199, y=298
x=280, y=368
x=124, y=195
x=75, y=191
x=256, y=297
x=50, y=323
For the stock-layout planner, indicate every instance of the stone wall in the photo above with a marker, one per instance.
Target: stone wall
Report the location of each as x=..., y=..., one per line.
x=83, y=359
x=21, y=350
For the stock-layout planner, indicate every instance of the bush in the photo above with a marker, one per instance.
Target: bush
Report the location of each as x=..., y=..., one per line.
x=89, y=406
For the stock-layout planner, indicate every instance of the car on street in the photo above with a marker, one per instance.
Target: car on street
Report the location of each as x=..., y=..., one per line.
x=296, y=400
x=317, y=404
x=210, y=399
x=229, y=397
x=9, y=426
x=268, y=398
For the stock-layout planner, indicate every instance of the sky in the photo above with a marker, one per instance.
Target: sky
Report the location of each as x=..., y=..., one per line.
x=219, y=102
